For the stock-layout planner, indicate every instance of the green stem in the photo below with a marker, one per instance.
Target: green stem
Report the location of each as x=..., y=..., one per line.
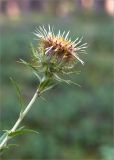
x=22, y=115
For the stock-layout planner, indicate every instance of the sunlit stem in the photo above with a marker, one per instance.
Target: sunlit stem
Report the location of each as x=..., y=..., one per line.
x=22, y=115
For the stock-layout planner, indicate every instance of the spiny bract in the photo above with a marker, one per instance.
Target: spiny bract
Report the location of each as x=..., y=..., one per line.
x=60, y=45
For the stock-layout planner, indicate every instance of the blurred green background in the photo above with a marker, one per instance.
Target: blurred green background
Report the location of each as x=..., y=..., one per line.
x=74, y=123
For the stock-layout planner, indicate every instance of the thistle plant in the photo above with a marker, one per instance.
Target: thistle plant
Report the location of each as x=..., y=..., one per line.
x=53, y=58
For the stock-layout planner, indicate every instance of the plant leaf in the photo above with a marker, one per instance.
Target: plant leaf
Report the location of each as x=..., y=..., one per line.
x=43, y=98
x=16, y=85
x=21, y=130
x=28, y=64
x=64, y=80
x=48, y=88
x=37, y=75
x=70, y=72
x=34, y=54
x=31, y=66
x=2, y=150
x=7, y=147
x=46, y=83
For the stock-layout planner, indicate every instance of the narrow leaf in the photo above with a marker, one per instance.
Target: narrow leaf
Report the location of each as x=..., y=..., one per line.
x=7, y=147
x=70, y=72
x=43, y=99
x=21, y=130
x=45, y=84
x=36, y=74
x=31, y=66
x=33, y=52
x=27, y=64
x=16, y=85
x=48, y=88
x=64, y=80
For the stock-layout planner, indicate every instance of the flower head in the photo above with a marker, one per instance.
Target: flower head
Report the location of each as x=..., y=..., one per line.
x=60, y=46
x=56, y=55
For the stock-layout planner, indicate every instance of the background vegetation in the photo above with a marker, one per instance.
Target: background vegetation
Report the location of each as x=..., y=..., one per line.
x=74, y=123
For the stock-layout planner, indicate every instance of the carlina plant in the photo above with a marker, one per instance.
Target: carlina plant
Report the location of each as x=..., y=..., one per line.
x=54, y=57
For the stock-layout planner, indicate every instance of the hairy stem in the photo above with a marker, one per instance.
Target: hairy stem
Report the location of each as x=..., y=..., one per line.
x=22, y=115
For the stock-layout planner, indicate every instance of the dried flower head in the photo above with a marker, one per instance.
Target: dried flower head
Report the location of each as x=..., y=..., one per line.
x=60, y=45
x=56, y=55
